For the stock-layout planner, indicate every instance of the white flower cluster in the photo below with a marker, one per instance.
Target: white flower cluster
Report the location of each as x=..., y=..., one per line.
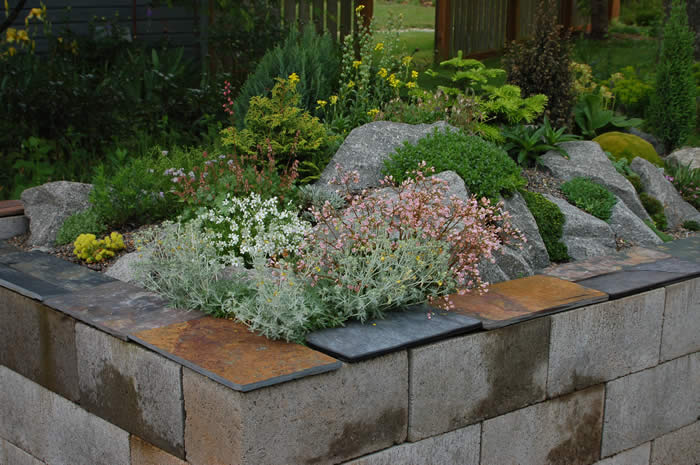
x=247, y=227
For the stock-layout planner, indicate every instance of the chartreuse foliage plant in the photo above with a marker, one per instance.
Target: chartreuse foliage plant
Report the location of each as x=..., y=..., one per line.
x=90, y=249
x=672, y=111
x=486, y=169
x=590, y=197
x=628, y=146
x=550, y=222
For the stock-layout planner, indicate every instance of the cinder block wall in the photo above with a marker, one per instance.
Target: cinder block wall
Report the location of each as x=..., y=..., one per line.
x=612, y=383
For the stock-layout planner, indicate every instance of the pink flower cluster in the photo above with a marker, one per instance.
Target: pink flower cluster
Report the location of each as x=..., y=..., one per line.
x=228, y=100
x=418, y=208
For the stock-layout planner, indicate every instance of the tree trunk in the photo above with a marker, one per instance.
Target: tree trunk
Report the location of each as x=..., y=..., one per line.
x=599, y=19
x=694, y=22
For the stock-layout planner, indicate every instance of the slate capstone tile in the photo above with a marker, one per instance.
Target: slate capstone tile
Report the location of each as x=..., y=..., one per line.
x=120, y=308
x=685, y=249
x=53, y=270
x=417, y=325
x=27, y=285
x=522, y=299
x=643, y=277
x=229, y=353
x=583, y=269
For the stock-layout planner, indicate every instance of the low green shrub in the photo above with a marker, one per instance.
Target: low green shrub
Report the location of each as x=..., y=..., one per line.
x=691, y=225
x=622, y=166
x=628, y=146
x=662, y=235
x=550, y=222
x=84, y=222
x=487, y=169
x=589, y=197
x=686, y=181
x=655, y=209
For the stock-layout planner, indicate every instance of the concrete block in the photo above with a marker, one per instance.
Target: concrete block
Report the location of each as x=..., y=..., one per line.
x=565, y=430
x=13, y=455
x=637, y=456
x=456, y=447
x=653, y=402
x=55, y=430
x=681, y=447
x=131, y=387
x=681, y=328
x=327, y=418
x=11, y=226
x=143, y=453
x=605, y=341
x=460, y=381
x=38, y=343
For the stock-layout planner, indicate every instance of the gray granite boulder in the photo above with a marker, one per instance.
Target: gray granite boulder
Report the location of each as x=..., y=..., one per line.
x=366, y=148
x=587, y=160
x=584, y=235
x=123, y=269
x=47, y=206
x=534, y=250
x=658, y=146
x=628, y=226
x=687, y=156
x=655, y=184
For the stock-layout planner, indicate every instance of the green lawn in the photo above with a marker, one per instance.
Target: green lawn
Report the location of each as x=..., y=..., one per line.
x=612, y=55
x=415, y=16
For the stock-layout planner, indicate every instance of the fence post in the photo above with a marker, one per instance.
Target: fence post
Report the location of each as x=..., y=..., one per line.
x=443, y=30
x=513, y=21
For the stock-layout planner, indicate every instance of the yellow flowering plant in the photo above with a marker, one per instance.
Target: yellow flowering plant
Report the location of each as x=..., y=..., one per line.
x=12, y=39
x=90, y=249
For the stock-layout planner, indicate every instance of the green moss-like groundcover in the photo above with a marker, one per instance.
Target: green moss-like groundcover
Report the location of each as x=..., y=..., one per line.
x=550, y=222
x=590, y=197
x=628, y=146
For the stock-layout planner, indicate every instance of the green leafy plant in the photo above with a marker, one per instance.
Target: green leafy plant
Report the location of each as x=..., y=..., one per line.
x=541, y=65
x=628, y=146
x=691, y=225
x=526, y=143
x=486, y=169
x=550, y=222
x=655, y=209
x=589, y=197
x=672, y=111
x=686, y=181
x=662, y=235
x=622, y=166
x=592, y=118
x=84, y=222
x=632, y=93
x=465, y=74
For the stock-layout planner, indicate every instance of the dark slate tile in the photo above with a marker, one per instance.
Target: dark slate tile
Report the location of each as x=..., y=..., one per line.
x=523, y=299
x=6, y=248
x=642, y=278
x=27, y=285
x=400, y=329
x=120, y=308
x=227, y=352
x=38, y=343
x=685, y=249
x=583, y=269
x=56, y=271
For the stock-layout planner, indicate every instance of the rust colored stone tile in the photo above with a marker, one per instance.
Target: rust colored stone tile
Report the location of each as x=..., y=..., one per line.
x=11, y=208
x=584, y=269
x=229, y=353
x=522, y=299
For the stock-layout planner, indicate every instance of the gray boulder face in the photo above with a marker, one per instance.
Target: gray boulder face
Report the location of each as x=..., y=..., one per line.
x=123, y=269
x=366, y=148
x=687, y=156
x=655, y=184
x=534, y=250
x=658, y=146
x=628, y=226
x=587, y=160
x=584, y=235
x=47, y=206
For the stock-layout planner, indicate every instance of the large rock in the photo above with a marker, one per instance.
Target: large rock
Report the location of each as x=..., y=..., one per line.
x=687, y=156
x=366, y=148
x=534, y=250
x=655, y=184
x=658, y=146
x=628, y=226
x=587, y=160
x=47, y=206
x=584, y=235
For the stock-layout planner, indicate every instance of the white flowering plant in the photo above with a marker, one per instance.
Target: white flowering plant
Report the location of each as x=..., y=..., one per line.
x=246, y=227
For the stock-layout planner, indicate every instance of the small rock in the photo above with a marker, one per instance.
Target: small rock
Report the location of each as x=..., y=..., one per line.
x=687, y=156
x=655, y=184
x=626, y=225
x=123, y=269
x=47, y=206
x=584, y=235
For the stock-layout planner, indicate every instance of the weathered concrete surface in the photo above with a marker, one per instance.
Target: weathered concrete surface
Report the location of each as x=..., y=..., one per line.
x=645, y=405
x=13, y=455
x=679, y=447
x=38, y=343
x=131, y=387
x=11, y=226
x=637, y=456
x=54, y=429
x=327, y=418
x=143, y=453
x=460, y=381
x=681, y=328
x=564, y=431
x=605, y=341
x=456, y=447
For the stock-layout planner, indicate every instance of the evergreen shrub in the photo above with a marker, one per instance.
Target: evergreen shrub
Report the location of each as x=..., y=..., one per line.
x=550, y=222
x=589, y=197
